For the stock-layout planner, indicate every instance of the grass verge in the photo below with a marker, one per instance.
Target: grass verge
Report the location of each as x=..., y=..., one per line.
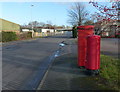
x=109, y=72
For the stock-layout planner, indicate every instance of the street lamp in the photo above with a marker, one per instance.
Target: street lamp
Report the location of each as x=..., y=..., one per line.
x=31, y=17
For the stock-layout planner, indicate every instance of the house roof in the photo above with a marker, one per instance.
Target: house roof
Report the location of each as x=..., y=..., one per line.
x=8, y=21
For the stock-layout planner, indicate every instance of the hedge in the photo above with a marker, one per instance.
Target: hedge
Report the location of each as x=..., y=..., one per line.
x=117, y=36
x=0, y=36
x=74, y=32
x=8, y=36
x=29, y=34
x=24, y=35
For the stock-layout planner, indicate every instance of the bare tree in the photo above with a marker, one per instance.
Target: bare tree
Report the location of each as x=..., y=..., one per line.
x=33, y=24
x=77, y=14
x=48, y=24
x=42, y=24
x=89, y=22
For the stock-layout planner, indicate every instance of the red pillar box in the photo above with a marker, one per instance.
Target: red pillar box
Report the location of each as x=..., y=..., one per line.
x=93, y=53
x=83, y=32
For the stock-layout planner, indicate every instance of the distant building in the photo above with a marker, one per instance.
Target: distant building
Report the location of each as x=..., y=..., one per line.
x=25, y=30
x=47, y=30
x=9, y=26
x=107, y=28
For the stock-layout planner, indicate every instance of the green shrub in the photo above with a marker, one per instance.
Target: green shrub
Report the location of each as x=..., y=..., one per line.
x=24, y=35
x=74, y=32
x=0, y=36
x=8, y=36
x=118, y=36
x=29, y=35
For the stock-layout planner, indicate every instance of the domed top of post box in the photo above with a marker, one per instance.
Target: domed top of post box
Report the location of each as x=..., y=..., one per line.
x=88, y=27
x=93, y=36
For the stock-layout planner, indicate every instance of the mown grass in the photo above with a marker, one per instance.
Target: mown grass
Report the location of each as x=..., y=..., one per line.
x=109, y=72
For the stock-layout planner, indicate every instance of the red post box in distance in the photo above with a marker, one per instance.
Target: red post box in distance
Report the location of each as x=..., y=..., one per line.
x=93, y=54
x=83, y=32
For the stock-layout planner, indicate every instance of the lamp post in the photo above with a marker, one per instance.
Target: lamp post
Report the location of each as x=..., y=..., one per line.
x=31, y=22
x=31, y=18
x=55, y=27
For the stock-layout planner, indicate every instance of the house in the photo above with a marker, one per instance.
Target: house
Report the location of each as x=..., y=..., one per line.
x=25, y=30
x=44, y=29
x=7, y=26
x=107, y=28
x=47, y=30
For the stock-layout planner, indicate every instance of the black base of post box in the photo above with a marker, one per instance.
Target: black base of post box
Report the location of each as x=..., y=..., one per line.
x=81, y=67
x=92, y=72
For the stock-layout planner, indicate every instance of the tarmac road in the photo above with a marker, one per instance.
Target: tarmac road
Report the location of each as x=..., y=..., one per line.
x=110, y=46
x=24, y=63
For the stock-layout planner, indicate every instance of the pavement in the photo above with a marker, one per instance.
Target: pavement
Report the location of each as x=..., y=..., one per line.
x=63, y=73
